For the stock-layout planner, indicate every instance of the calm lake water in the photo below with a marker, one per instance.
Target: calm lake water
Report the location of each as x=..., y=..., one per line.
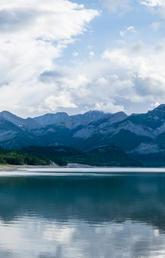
x=91, y=215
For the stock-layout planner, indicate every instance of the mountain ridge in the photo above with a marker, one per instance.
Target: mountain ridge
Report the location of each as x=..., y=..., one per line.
x=135, y=133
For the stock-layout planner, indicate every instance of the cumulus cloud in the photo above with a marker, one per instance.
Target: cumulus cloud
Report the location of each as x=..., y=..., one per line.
x=125, y=78
x=143, y=66
x=64, y=100
x=33, y=33
x=81, y=87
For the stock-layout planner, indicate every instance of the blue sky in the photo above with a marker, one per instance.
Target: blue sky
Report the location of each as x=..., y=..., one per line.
x=104, y=30
x=74, y=56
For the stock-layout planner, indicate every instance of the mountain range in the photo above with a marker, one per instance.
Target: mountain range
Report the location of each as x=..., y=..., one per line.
x=138, y=135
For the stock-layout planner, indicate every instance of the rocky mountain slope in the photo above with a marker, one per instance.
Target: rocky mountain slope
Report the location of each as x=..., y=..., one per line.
x=139, y=134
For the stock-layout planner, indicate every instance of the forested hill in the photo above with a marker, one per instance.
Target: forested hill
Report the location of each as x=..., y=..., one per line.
x=102, y=156
x=15, y=157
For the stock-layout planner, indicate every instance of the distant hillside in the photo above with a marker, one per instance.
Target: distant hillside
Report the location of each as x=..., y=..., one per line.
x=36, y=155
x=102, y=156
x=61, y=155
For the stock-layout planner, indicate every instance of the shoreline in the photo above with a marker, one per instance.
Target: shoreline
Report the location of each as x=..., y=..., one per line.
x=78, y=169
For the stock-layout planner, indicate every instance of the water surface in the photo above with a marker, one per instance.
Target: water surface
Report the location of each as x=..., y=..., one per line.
x=96, y=215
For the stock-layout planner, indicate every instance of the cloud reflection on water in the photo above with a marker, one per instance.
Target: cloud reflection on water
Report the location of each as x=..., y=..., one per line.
x=48, y=217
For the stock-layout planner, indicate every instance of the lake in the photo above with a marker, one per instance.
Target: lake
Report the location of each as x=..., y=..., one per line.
x=89, y=214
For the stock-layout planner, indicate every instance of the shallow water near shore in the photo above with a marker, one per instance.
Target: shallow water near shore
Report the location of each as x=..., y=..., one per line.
x=56, y=214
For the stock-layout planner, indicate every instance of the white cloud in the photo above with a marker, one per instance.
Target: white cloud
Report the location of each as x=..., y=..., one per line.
x=156, y=26
x=118, y=4
x=127, y=5
x=157, y=5
x=144, y=68
x=33, y=33
x=130, y=29
x=62, y=101
x=153, y=3
x=75, y=54
x=91, y=53
x=130, y=79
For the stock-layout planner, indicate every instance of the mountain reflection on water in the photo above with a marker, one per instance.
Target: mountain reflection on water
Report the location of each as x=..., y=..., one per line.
x=121, y=215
